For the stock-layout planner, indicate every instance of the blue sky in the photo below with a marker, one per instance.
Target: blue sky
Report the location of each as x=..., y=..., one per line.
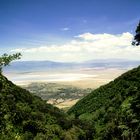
x=32, y=26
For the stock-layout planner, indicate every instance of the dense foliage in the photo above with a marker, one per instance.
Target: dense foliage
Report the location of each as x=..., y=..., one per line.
x=113, y=109
x=137, y=36
x=24, y=116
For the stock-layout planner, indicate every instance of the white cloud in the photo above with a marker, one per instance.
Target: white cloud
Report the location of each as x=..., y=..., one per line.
x=65, y=29
x=85, y=47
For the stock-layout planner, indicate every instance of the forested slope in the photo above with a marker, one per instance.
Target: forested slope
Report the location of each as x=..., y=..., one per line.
x=24, y=116
x=113, y=109
x=111, y=112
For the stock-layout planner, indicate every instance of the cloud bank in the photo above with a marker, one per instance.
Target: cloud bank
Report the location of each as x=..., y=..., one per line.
x=84, y=47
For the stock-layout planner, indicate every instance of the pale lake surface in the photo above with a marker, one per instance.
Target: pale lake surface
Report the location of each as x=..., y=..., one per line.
x=91, y=78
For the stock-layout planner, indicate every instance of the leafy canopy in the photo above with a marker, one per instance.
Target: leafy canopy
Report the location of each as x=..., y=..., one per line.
x=6, y=59
x=136, y=40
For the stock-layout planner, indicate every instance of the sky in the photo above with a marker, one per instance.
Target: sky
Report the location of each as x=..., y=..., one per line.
x=69, y=30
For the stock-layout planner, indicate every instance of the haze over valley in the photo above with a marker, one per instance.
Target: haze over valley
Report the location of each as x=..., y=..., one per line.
x=63, y=84
x=97, y=71
x=69, y=69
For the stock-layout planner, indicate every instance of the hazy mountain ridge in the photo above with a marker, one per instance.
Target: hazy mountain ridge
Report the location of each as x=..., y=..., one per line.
x=31, y=66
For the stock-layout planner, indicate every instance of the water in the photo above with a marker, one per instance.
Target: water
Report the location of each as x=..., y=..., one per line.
x=48, y=77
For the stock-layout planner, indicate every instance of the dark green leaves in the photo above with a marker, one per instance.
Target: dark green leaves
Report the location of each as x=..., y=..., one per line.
x=6, y=59
x=136, y=40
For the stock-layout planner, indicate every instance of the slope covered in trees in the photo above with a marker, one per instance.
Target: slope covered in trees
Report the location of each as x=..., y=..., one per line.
x=113, y=109
x=24, y=116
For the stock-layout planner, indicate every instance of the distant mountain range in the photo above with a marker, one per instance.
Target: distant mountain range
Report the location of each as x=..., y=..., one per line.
x=32, y=66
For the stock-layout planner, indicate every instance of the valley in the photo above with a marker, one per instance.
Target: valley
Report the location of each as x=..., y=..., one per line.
x=63, y=84
x=88, y=74
x=69, y=70
x=62, y=96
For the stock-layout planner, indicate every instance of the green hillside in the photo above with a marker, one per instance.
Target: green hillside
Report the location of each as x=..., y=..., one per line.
x=24, y=116
x=113, y=109
x=111, y=112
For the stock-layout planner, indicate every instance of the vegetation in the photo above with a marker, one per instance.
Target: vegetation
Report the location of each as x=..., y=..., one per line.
x=6, y=59
x=24, y=116
x=113, y=109
x=137, y=36
x=111, y=112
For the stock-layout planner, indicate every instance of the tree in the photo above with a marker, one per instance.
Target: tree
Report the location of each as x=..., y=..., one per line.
x=6, y=59
x=136, y=40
